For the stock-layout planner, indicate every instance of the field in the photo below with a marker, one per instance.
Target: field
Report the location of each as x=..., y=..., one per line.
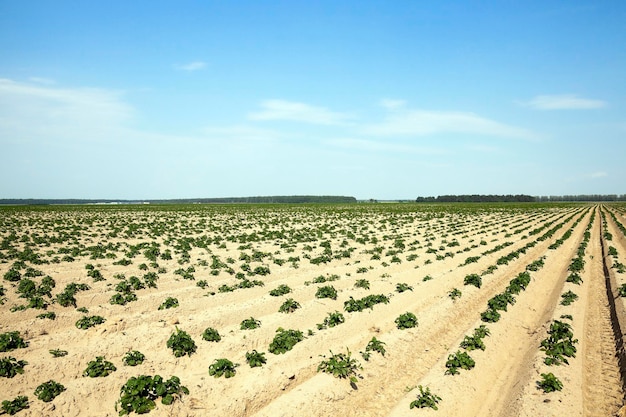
x=316, y=310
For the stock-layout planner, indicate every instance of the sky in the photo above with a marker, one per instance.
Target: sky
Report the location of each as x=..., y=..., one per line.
x=371, y=99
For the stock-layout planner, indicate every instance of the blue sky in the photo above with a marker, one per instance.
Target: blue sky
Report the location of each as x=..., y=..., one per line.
x=373, y=99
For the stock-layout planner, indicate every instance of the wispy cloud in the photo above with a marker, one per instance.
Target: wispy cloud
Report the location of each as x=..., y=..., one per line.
x=424, y=122
x=392, y=104
x=41, y=80
x=380, y=146
x=564, y=102
x=599, y=174
x=297, y=112
x=192, y=66
x=242, y=133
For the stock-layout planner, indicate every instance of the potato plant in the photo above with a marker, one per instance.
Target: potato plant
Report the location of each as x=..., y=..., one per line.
x=211, y=335
x=425, y=399
x=9, y=367
x=223, y=367
x=49, y=390
x=133, y=358
x=138, y=394
x=255, y=359
x=16, y=405
x=341, y=365
x=99, y=367
x=181, y=343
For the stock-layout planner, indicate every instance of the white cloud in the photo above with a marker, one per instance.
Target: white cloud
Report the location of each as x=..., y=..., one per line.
x=297, y=112
x=41, y=80
x=424, y=122
x=564, y=102
x=599, y=174
x=192, y=66
x=379, y=146
x=242, y=133
x=392, y=104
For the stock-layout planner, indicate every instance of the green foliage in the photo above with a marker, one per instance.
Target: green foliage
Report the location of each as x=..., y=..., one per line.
x=459, y=360
x=99, y=368
x=51, y=315
x=373, y=345
x=327, y=291
x=285, y=340
x=181, y=343
x=13, y=275
x=577, y=264
x=332, y=320
x=255, y=359
x=341, y=365
x=289, y=306
x=490, y=316
x=280, y=290
x=402, y=287
x=568, y=298
x=170, y=302
x=47, y=391
x=362, y=283
x=549, y=383
x=249, y=324
x=222, y=367
x=425, y=399
x=138, y=393
x=11, y=340
x=406, y=321
x=559, y=345
x=16, y=405
x=455, y=293
x=211, y=335
x=89, y=321
x=58, y=353
x=133, y=358
x=621, y=291
x=369, y=301
x=9, y=367
x=473, y=279
x=501, y=301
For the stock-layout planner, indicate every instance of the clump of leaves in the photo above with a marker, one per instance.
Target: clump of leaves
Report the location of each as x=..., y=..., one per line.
x=559, y=345
x=459, y=360
x=16, y=405
x=406, y=321
x=369, y=301
x=455, y=293
x=58, y=353
x=170, y=302
x=373, y=345
x=223, y=367
x=285, y=340
x=490, y=315
x=99, y=368
x=332, y=320
x=249, y=324
x=341, y=365
x=402, y=287
x=89, y=321
x=9, y=367
x=11, y=340
x=362, y=283
x=549, y=383
x=280, y=290
x=47, y=391
x=568, y=298
x=574, y=278
x=255, y=359
x=133, y=358
x=51, y=315
x=181, y=343
x=327, y=291
x=289, y=306
x=475, y=341
x=473, y=279
x=621, y=291
x=211, y=335
x=425, y=399
x=139, y=393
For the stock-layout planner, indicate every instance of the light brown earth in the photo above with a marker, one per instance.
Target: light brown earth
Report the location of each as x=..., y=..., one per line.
x=503, y=382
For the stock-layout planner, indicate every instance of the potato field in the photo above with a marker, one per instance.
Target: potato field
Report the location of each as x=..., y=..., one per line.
x=313, y=310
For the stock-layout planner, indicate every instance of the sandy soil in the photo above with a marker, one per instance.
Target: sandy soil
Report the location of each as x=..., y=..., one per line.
x=432, y=250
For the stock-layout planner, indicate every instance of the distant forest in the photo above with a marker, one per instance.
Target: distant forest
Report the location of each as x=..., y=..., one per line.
x=519, y=198
x=296, y=199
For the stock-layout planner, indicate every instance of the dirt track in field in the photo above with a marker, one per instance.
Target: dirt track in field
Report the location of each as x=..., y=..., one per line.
x=411, y=245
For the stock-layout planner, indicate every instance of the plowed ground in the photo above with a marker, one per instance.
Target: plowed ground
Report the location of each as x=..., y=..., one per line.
x=429, y=248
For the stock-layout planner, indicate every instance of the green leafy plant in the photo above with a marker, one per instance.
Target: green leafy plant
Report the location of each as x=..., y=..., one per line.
x=402, y=287
x=181, y=343
x=138, y=394
x=406, y=321
x=11, y=340
x=280, y=290
x=327, y=291
x=47, y=391
x=133, y=358
x=473, y=279
x=459, y=360
x=559, y=345
x=16, y=405
x=369, y=301
x=373, y=345
x=621, y=291
x=549, y=383
x=255, y=359
x=58, y=353
x=99, y=368
x=51, y=315
x=211, y=335
x=425, y=399
x=170, y=302
x=289, y=306
x=250, y=324
x=574, y=278
x=568, y=298
x=362, y=283
x=9, y=367
x=86, y=322
x=341, y=365
x=223, y=367
x=490, y=315
x=332, y=320
x=285, y=340
x=455, y=293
